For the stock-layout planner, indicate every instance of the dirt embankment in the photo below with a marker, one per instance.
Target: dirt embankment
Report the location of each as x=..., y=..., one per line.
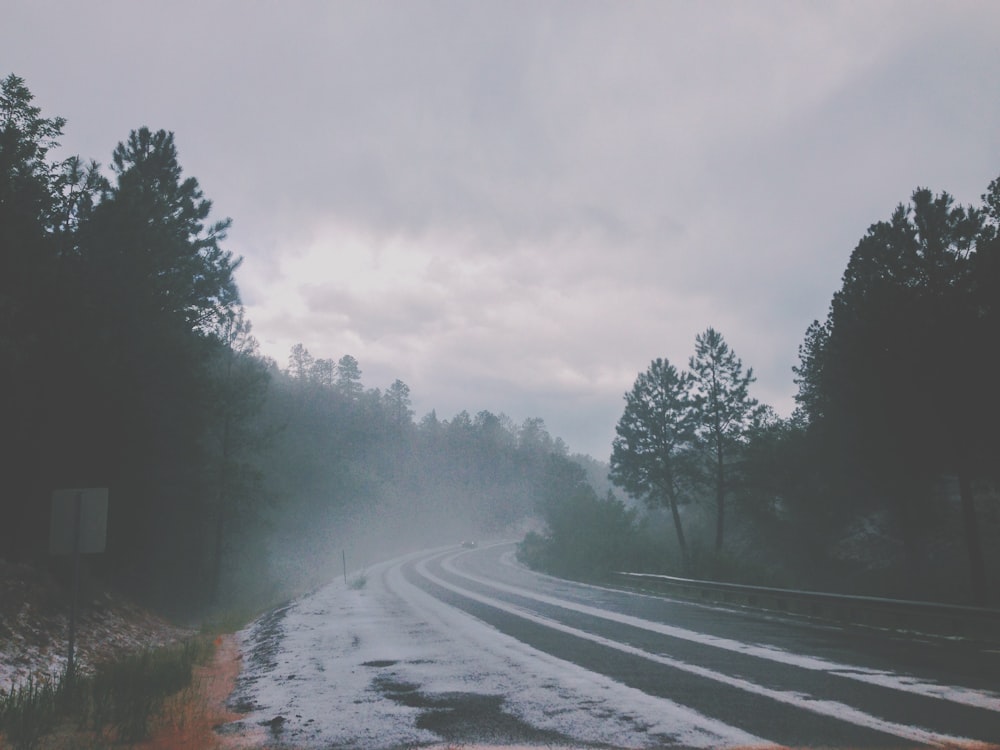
x=191, y=718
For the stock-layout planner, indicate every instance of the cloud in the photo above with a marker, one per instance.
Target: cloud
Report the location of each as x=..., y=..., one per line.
x=517, y=205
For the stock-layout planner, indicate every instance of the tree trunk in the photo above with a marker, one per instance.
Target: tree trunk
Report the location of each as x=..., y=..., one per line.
x=720, y=499
x=220, y=521
x=977, y=567
x=685, y=562
x=220, y=524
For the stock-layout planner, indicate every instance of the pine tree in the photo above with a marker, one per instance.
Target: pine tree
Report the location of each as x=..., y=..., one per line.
x=724, y=413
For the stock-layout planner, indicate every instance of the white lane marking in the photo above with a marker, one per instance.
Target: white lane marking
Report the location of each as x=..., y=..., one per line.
x=954, y=694
x=655, y=716
x=829, y=708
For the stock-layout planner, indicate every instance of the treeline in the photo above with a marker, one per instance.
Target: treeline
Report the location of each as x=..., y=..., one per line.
x=356, y=472
x=126, y=362
x=883, y=481
x=114, y=294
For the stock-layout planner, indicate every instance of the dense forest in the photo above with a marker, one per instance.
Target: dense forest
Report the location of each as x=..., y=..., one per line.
x=127, y=362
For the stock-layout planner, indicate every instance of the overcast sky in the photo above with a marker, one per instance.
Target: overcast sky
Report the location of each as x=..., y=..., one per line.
x=516, y=206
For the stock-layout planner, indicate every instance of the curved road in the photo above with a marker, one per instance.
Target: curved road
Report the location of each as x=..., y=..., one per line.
x=790, y=682
x=683, y=674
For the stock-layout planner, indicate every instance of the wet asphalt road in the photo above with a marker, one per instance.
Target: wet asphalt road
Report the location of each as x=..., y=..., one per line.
x=794, y=682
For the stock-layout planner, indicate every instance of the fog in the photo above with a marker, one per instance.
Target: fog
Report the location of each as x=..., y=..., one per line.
x=350, y=473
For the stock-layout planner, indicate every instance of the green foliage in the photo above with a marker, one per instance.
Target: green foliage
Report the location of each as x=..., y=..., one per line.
x=119, y=702
x=652, y=437
x=126, y=695
x=113, y=296
x=153, y=234
x=30, y=711
x=720, y=390
x=27, y=178
x=896, y=393
x=349, y=377
x=681, y=431
x=724, y=413
x=895, y=383
x=157, y=287
x=235, y=436
x=30, y=286
x=397, y=402
x=654, y=429
x=586, y=536
x=589, y=537
x=886, y=363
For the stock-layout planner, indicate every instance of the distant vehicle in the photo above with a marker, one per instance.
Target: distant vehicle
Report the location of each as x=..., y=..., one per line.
x=469, y=545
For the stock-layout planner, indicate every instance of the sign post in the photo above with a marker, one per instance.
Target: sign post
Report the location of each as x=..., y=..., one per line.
x=79, y=526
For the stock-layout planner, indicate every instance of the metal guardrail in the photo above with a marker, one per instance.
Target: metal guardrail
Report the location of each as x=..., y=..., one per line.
x=928, y=617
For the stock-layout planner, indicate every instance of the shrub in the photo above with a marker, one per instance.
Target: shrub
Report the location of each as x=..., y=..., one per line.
x=118, y=702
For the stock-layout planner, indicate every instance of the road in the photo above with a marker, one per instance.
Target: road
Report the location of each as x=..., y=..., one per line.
x=462, y=646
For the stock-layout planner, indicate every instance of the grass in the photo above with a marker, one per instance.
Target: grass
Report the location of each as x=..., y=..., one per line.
x=29, y=711
x=117, y=705
x=359, y=581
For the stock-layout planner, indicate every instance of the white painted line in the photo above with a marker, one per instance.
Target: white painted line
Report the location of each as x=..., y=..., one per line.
x=964, y=696
x=805, y=702
x=662, y=716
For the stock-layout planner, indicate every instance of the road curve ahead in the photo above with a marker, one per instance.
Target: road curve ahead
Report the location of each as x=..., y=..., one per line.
x=463, y=646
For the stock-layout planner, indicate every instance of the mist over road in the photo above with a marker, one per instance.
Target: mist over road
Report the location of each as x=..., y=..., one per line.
x=458, y=645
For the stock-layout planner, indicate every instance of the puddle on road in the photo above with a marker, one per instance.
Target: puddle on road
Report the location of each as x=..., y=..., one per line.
x=465, y=717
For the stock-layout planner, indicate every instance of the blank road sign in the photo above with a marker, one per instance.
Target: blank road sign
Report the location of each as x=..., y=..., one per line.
x=93, y=520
